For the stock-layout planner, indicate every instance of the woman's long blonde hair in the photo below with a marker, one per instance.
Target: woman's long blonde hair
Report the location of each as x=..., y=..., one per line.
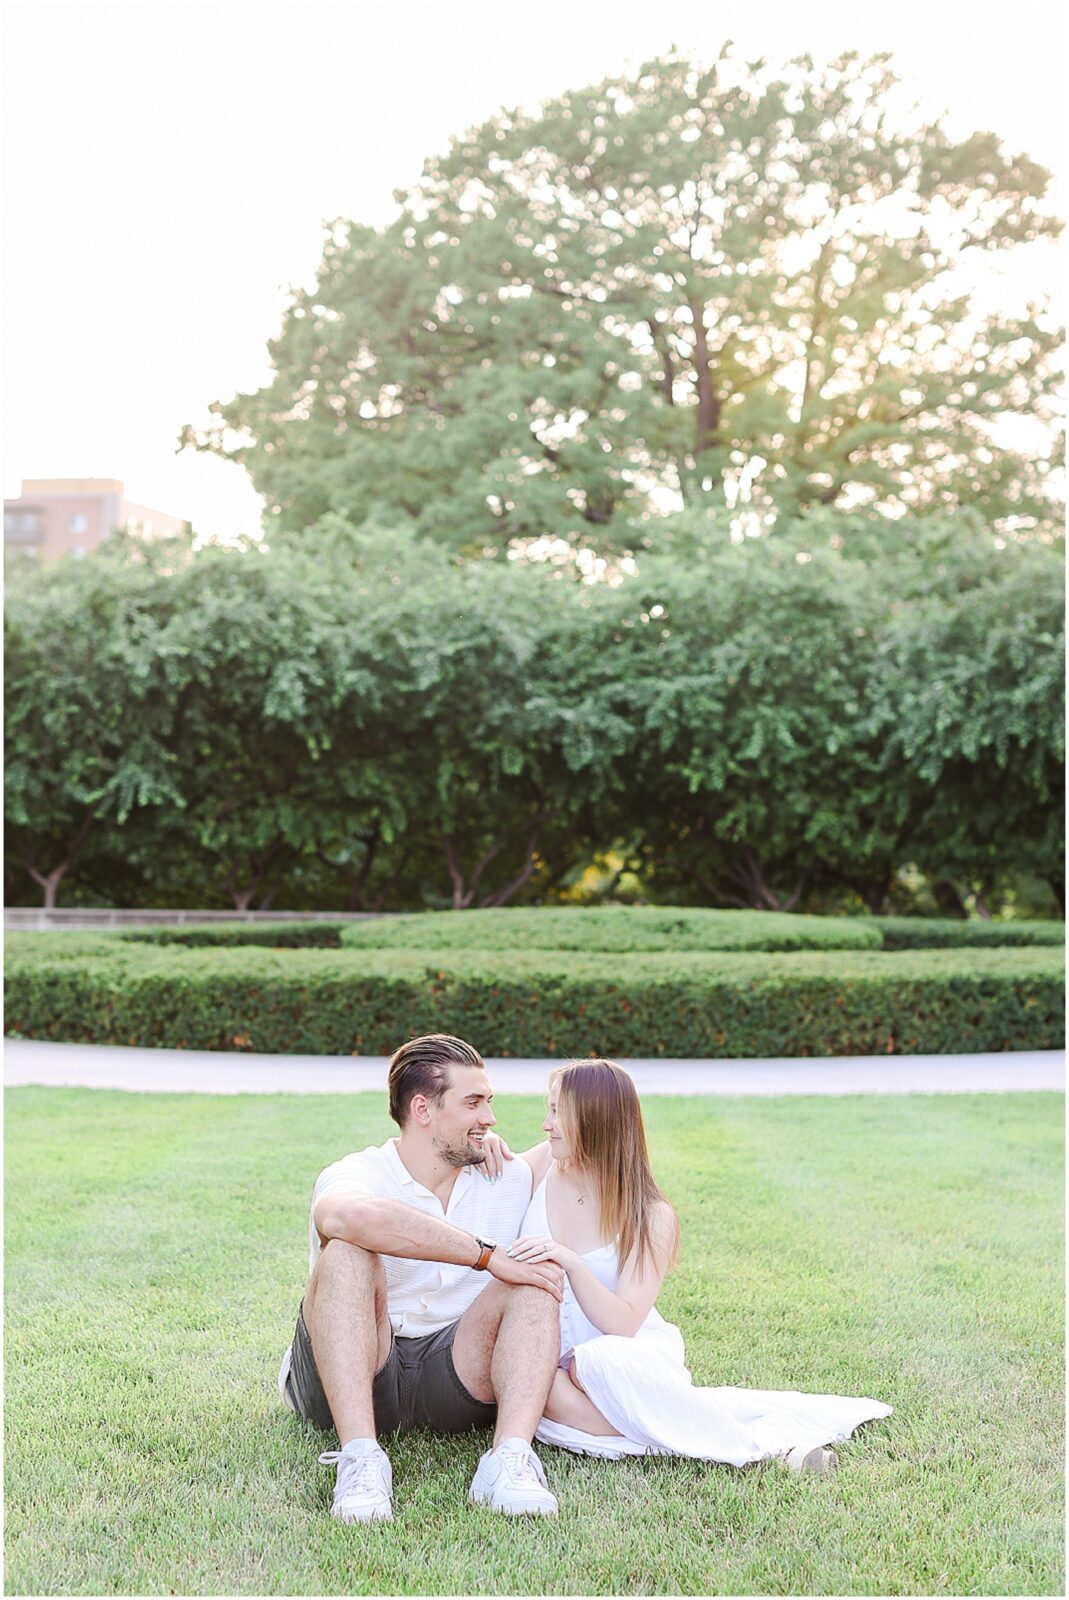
x=600, y=1117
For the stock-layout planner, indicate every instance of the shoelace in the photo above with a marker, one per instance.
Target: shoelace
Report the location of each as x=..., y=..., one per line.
x=523, y=1465
x=362, y=1470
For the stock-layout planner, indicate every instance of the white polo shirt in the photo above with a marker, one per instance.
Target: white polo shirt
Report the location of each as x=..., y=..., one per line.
x=423, y=1296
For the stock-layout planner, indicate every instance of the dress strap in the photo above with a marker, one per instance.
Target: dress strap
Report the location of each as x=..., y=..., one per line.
x=538, y=1203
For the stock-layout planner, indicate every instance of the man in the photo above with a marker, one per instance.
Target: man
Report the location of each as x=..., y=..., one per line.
x=398, y=1327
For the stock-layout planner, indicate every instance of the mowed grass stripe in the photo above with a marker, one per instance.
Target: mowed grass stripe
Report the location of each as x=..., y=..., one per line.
x=908, y=1248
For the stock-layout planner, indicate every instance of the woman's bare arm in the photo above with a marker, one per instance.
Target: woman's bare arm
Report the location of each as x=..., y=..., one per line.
x=623, y=1310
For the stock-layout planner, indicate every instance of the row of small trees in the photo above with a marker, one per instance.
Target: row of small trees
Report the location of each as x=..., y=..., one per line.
x=356, y=719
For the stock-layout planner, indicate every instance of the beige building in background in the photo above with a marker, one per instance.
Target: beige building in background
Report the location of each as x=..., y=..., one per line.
x=70, y=516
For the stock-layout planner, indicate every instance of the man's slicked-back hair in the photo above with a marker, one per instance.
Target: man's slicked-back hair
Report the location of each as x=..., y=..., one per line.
x=422, y=1067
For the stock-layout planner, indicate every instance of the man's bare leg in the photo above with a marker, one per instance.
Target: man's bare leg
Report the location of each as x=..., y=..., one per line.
x=506, y=1349
x=570, y=1404
x=345, y=1313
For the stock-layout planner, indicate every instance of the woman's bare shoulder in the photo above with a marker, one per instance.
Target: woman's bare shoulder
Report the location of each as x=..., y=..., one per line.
x=537, y=1158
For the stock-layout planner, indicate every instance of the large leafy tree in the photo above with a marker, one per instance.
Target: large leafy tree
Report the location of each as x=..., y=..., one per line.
x=489, y=752
x=812, y=722
x=714, y=283
x=756, y=782
x=970, y=692
x=85, y=727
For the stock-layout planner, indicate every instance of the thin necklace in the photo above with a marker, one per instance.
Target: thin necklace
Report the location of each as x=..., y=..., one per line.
x=580, y=1199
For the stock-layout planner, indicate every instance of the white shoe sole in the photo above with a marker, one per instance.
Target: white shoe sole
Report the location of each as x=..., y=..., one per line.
x=512, y=1511
x=371, y=1514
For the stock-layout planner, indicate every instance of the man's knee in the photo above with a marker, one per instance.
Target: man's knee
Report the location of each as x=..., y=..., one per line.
x=340, y=1252
x=341, y=1261
x=535, y=1305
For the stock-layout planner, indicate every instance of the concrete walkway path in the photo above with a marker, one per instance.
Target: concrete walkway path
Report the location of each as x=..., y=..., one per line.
x=209, y=1072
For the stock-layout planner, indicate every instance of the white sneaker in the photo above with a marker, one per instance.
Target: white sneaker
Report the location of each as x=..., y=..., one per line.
x=817, y=1460
x=364, y=1490
x=511, y=1479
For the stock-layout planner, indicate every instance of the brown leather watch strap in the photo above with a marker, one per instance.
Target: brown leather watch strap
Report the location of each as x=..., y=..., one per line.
x=486, y=1250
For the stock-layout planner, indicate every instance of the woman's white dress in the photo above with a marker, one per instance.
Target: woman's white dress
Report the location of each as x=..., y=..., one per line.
x=642, y=1386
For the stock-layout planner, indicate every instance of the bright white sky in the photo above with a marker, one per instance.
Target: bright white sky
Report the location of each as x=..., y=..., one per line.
x=169, y=166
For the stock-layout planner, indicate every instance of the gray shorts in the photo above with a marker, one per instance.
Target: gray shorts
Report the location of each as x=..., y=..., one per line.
x=416, y=1387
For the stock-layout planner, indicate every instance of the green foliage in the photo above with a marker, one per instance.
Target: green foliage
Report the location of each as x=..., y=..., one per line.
x=86, y=724
x=907, y=1247
x=364, y=723
x=538, y=1002
x=611, y=928
x=728, y=283
x=933, y=933
x=275, y=935
x=972, y=675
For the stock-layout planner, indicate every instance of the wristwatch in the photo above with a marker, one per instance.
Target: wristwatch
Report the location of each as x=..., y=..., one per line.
x=486, y=1250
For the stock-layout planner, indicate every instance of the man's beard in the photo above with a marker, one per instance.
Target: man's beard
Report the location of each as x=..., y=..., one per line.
x=456, y=1155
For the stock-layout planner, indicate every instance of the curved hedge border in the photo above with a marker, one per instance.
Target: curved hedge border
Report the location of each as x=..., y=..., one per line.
x=366, y=1002
x=611, y=928
x=275, y=935
x=945, y=933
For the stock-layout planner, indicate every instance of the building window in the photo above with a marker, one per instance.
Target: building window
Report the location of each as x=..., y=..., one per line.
x=79, y=522
x=23, y=527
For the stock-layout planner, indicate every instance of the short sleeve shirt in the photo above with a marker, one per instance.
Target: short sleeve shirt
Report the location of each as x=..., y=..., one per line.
x=424, y=1296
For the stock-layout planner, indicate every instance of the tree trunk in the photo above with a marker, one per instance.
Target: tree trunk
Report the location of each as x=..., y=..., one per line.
x=948, y=900
x=50, y=881
x=707, y=417
x=50, y=884
x=243, y=894
x=749, y=875
x=502, y=896
x=464, y=893
x=359, y=890
x=757, y=894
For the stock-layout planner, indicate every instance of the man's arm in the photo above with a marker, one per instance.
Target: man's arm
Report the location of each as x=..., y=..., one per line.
x=392, y=1228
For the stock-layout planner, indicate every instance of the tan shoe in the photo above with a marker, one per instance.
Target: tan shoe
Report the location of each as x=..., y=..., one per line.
x=817, y=1460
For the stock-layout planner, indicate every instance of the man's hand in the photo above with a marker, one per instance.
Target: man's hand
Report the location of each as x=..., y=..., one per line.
x=537, y=1275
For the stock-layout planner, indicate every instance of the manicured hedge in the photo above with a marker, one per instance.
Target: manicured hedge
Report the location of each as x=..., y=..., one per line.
x=610, y=928
x=617, y=929
x=729, y=1004
x=936, y=933
x=275, y=935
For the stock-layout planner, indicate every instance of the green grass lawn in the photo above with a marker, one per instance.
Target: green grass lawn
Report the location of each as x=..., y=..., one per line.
x=907, y=1248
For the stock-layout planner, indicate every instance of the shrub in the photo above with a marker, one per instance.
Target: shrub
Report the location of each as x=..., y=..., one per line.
x=936, y=933
x=657, y=1004
x=611, y=928
x=275, y=935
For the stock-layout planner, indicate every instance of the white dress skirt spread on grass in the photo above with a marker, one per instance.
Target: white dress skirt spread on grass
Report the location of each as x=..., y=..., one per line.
x=642, y=1386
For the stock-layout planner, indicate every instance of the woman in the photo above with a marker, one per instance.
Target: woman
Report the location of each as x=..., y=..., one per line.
x=623, y=1387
